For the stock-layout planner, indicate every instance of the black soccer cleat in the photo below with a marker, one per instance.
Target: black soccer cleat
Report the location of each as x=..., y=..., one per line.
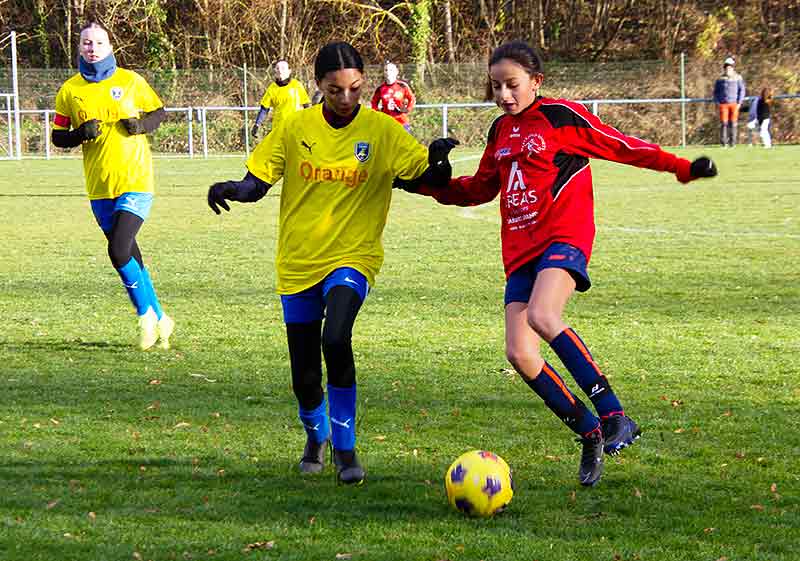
x=348, y=469
x=619, y=431
x=313, y=460
x=591, y=468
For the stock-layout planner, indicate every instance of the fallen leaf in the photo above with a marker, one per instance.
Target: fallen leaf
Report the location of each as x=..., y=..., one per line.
x=572, y=496
x=68, y=536
x=679, y=431
x=92, y=516
x=739, y=455
x=708, y=530
x=258, y=545
x=154, y=382
x=637, y=493
x=182, y=424
x=727, y=414
x=722, y=559
x=55, y=421
x=312, y=520
x=154, y=405
x=380, y=438
x=221, y=472
x=553, y=458
x=677, y=402
x=759, y=508
x=137, y=556
x=52, y=504
x=202, y=377
x=773, y=488
x=344, y=555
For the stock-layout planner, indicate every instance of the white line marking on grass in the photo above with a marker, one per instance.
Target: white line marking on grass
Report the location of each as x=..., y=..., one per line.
x=466, y=159
x=661, y=231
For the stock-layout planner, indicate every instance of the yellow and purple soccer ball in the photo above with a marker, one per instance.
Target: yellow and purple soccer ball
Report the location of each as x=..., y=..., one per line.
x=479, y=483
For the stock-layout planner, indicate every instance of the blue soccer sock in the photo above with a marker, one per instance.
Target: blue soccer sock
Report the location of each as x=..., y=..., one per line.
x=343, y=416
x=579, y=361
x=151, y=293
x=556, y=395
x=131, y=275
x=316, y=422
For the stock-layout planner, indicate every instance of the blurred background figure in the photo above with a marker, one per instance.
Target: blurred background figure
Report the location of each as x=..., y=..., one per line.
x=394, y=97
x=283, y=96
x=729, y=93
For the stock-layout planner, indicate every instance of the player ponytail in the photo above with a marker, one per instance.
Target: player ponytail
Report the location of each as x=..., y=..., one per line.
x=337, y=56
x=521, y=53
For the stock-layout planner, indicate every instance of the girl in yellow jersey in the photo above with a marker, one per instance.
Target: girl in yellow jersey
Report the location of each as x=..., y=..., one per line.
x=283, y=97
x=107, y=111
x=338, y=162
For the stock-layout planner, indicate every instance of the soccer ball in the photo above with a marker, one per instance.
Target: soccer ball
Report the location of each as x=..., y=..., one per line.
x=479, y=483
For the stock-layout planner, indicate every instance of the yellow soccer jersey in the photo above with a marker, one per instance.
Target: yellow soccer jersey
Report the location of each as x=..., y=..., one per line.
x=284, y=100
x=114, y=162
x=337, y=186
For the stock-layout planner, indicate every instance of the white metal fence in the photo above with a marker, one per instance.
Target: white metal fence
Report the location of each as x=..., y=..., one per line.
x=196, y=138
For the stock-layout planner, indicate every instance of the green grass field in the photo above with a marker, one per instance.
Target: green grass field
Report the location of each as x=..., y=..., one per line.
x=110, y=453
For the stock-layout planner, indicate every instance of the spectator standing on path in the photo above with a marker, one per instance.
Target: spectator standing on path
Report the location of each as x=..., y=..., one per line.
x=729, y=92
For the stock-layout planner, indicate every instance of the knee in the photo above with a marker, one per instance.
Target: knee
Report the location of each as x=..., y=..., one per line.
x=119, y=252
x=544, y=322
x=336, y=340
x=527, y=362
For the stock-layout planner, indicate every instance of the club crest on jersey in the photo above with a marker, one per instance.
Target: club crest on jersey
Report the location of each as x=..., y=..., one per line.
x=502, y=153
x=116, y=92
x=534, y=143
x=362, y=151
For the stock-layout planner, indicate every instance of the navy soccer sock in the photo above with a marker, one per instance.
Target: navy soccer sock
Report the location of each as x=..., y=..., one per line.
x=572, y=411
x=579, y=361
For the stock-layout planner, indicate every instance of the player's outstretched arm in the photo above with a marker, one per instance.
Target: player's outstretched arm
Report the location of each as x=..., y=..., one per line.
x=75, y=137
x=249, y=190
x=700, y=168
x=439, y=170
x=145, y=124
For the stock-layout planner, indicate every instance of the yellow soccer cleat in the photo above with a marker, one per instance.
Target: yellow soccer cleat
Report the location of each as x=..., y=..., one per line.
x=148, y=329
x=166, y=325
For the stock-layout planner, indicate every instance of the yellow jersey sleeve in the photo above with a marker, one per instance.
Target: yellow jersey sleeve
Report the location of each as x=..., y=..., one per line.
x=147, y=100
x=302, y=94
x=409, y=158
x=266, y=99
x=268, y=160
x=63, y=116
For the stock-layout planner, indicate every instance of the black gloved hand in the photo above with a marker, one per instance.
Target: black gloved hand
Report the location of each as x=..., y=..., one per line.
x=439, y=149
x=254, y=131
x=703, y=167
x=217, y=194
x=89, y=130
x=133, y=125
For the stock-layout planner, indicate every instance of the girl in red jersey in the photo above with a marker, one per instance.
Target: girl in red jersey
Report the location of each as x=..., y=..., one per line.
x=537, y=159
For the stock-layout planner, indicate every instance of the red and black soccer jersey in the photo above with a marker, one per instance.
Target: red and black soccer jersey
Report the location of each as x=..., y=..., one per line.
x=390, y=99
x=538, y=161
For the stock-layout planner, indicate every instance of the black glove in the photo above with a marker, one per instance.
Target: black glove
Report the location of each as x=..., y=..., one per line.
x=439, y=149
x=133, y=126
x=254, y=131
x=703, y=167
x=217, y=194
x=89, y=130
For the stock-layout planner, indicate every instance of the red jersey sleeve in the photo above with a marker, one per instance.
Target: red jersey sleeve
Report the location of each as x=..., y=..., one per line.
x=411, y=101
x=581, y=133
x=470, y=190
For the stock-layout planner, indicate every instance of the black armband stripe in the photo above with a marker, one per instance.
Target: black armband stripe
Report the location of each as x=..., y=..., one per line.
x=560, y=116
x=493, y=129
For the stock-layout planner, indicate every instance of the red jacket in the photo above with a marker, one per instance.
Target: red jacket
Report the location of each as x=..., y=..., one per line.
x=390, y=99
x=539, y=163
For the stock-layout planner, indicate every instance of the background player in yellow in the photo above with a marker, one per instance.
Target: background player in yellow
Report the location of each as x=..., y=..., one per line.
x=284, y=96
x=338, y=163
x=107, y=110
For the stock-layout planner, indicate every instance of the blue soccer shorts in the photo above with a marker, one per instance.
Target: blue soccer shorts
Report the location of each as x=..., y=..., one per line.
x=557, y=256
x=309, y=305
x=135, y=203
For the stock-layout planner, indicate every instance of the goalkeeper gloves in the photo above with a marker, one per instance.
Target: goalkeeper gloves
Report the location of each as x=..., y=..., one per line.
x=254, y=131
x=89, y=130
x=217, y=194
x=703, y=167
x=133, y=126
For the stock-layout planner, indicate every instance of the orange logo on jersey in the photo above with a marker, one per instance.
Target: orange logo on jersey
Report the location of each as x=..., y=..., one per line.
x=352, y=177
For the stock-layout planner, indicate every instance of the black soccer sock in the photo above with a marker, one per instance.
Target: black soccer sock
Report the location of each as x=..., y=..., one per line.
x=341, y=308
x=306, y=360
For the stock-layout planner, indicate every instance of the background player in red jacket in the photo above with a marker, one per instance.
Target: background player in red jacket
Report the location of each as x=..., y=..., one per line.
x=394, y=97
x=537, y=159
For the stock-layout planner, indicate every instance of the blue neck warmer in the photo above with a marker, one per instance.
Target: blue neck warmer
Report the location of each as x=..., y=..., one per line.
x=97, y=71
